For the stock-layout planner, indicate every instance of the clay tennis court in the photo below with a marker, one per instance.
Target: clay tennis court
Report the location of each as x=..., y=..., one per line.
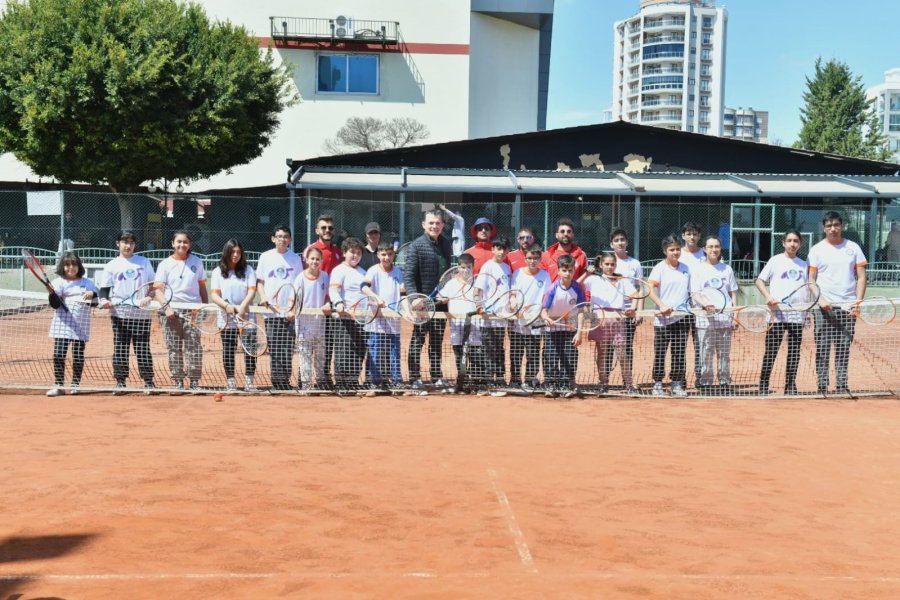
x=440, y=497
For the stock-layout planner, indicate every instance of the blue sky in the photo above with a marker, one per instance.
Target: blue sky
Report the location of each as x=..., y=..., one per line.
x=772, y=46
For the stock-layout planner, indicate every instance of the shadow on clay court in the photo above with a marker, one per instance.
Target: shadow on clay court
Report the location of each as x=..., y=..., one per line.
x=16, y=549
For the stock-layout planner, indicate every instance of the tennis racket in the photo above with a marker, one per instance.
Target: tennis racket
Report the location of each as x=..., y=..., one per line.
x=283, y=301
x=418, y=309
x=149, y=296
x=454, y=283
x=367, y=309
x=631, y=288
x=489, y=286
x=252, y=338
x=704, y=303
x=464, y=355
x=876, y=310
x=204, y=318
x=37, y=269
x=755, y=319
x=584, y=316
x=804, y=298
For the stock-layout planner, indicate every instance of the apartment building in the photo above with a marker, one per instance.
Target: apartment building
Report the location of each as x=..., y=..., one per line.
x=887, y=107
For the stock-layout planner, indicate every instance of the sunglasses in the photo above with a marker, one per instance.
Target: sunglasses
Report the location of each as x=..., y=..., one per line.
x=483, y=228
x=327, y=227
x=526, y=237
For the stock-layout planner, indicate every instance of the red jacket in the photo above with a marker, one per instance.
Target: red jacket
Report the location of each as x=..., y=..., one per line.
x=548, y=260
x=516, y=260
x=482, y=252
x=331, y=255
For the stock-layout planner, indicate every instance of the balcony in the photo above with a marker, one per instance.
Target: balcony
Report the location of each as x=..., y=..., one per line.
x=340, y=30
x=662, y=39
x=663, y=23
x=661, y=118
x=651, y=103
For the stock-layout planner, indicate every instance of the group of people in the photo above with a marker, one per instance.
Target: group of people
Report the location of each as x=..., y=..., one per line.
x=340, y=353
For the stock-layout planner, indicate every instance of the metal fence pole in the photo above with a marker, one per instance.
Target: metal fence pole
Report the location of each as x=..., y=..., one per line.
x=292, y=212
x=309, y=223
x=402, y=218
x=873, y=230
x=546, y=223
x=62, y=223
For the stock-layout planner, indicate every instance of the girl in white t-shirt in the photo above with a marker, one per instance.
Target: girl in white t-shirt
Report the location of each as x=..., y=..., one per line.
x=605, y=291
x=311, y=328
x=714, y=331
x=233, y=289
x=784, y=273
x=72, y=327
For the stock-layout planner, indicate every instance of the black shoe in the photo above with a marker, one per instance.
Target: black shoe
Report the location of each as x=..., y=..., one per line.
x=790, y=390
x=842, y=389
x=822, y=390
x=763, y=390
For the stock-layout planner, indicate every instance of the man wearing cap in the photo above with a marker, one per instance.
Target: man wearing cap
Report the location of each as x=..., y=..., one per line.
x=484, y=232
x=370, y=250
x=565, y=244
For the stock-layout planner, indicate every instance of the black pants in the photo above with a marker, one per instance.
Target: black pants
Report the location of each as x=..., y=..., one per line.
x=131, y=332
x=675, y=336
x=695, y=342
x=521, y=344
x=60, y=349
x=773, y=341
x=349, y=351
x=833, y=328
x=434, y=329
x=281, y=334
x=331, y=334
x=560, y=359
x=229, y=341
x=493, y=339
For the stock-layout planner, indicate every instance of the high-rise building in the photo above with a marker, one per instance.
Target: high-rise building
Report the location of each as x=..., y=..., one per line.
x=669, y=66
x=746, y=124
x=887, y=106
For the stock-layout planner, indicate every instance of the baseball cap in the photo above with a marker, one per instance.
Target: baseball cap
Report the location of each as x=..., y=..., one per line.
x=373, y=226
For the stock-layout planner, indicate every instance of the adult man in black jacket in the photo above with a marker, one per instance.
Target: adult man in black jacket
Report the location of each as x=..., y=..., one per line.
x=428, y=256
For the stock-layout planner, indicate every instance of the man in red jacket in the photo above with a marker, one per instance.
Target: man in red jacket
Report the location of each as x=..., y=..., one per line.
x=565, y=244
x=484, y=232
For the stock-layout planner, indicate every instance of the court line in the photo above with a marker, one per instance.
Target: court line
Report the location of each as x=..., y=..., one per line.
x=513, y=524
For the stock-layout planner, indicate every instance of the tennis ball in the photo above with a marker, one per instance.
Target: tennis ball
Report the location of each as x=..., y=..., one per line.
x=218, y=396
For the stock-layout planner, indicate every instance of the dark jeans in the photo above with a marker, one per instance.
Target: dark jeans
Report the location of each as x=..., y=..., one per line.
x=475, y=371
x=132, y=332
x=331, y=334
x=281, y=334
x=833, y=328
x=229, y=341
x=434, y=329
x=560, y=359
x=530, y=346
x=773, y=341
x=60, y=349
x=675, y=336
x=349, y=351
x=493, y=339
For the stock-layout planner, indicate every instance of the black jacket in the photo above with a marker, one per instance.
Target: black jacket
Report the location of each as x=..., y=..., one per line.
x=425, y=262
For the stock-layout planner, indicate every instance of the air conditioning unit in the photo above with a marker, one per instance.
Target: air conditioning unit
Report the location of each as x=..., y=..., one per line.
x=343, y=27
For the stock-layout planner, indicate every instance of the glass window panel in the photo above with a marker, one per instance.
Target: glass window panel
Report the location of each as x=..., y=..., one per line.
x=363, y=74
x=332, y=73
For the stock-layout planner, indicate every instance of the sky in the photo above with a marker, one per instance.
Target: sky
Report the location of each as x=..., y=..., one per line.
x=772, y=47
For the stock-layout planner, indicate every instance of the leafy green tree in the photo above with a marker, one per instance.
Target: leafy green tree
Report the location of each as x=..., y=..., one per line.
x=837, y=117
x=118, y=92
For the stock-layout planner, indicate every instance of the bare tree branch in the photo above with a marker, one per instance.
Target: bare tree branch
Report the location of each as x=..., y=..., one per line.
x=366, y=134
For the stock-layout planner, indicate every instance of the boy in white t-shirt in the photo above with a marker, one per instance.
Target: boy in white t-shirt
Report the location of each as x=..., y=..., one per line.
x=532, y=282
x=310, y=329
x=670, y=284
x=692, y=255
x=626, y=266
x=838, y=267
x=714, y=331
x=384, y=282
x=345, y=289
x=494, y=277
x=184, y=274
x=560, y=345
x=459, y=305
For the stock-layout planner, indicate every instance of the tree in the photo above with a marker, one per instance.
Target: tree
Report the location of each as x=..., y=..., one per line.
x=118, y=92
x=366, y=134
x=837, y=117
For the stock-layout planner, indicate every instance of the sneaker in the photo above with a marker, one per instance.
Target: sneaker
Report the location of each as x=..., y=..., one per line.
x=54, y=392
x=441, y=383
x=73, y=389
x=369, y=393
x=568, y=394
x=418, y=384
x=678, y=390
x=498, y=393
x=658, y=389
x=482, y=392
x=527, y=388
x=179, y=386
x=149, y=388
x=249, y=386
x=195, y=386
x=230, y=384
x=119, y=389
x=549, y=392
x=632, y=391
x=602, y=390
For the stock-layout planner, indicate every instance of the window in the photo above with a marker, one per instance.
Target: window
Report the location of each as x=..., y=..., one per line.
x=706, y=54
x=704, y=85
x=690, y=128
x=707, y=21
x=729, y=117
x=707, y=38
x=691, y=98
x=704, y=130
x=704, y=116
x=348, y=73
x=894, y=123
x=690, y=113
x=691, y=81
x=705, y=69
x=704, y=100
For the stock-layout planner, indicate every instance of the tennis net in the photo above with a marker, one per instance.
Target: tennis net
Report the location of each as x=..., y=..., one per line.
x=26, y=358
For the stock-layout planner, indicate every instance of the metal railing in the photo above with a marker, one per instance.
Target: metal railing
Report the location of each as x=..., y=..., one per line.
x=337, y=29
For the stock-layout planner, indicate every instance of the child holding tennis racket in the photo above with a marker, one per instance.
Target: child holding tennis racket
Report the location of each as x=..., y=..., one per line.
x=607, y=292
x=784, y=273
x=184, y=274
x=384, y=283
x=345, y=289
x=312, y=285
x=560, y=345
x=714, y=330
x=531, y=283
x=70, y=327
x=463, y=300
x=122, y=277
x=493, y=280
x=233, y=289
x=670, y=284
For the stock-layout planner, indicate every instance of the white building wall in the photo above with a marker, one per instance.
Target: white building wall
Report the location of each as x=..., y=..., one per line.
x=887, y=106
x=503, y=77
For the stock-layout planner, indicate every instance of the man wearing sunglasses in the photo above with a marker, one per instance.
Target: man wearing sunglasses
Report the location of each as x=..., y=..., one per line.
x=516, y=258
x=565, y=244
x=331, y=257
x=482, y=250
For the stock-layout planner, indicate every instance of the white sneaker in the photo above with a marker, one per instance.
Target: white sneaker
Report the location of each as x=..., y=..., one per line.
x=658, y=389
x=54, y=392
x=498, y=393
x=73, y=389
x=230, y=384
x=678, y=390
x=249, y=385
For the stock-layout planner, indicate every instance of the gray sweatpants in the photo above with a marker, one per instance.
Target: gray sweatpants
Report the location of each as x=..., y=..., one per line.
x=184, y=348
x=715, y=346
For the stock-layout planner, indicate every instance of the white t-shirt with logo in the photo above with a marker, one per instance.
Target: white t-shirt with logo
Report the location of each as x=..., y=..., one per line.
x=835, y=265
x=718, y=276
x=346, y=285
x=533, y=289
x=673, y=285
x=275, y=269
x=604, y=292
x=692, y=259
x=494, y=279
x=124, y=276
x=315, y=295
x=784, y=275
x=461, y=304
x=184, y=277
x=75, y=324
x=233, y=289
x=387, y=285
